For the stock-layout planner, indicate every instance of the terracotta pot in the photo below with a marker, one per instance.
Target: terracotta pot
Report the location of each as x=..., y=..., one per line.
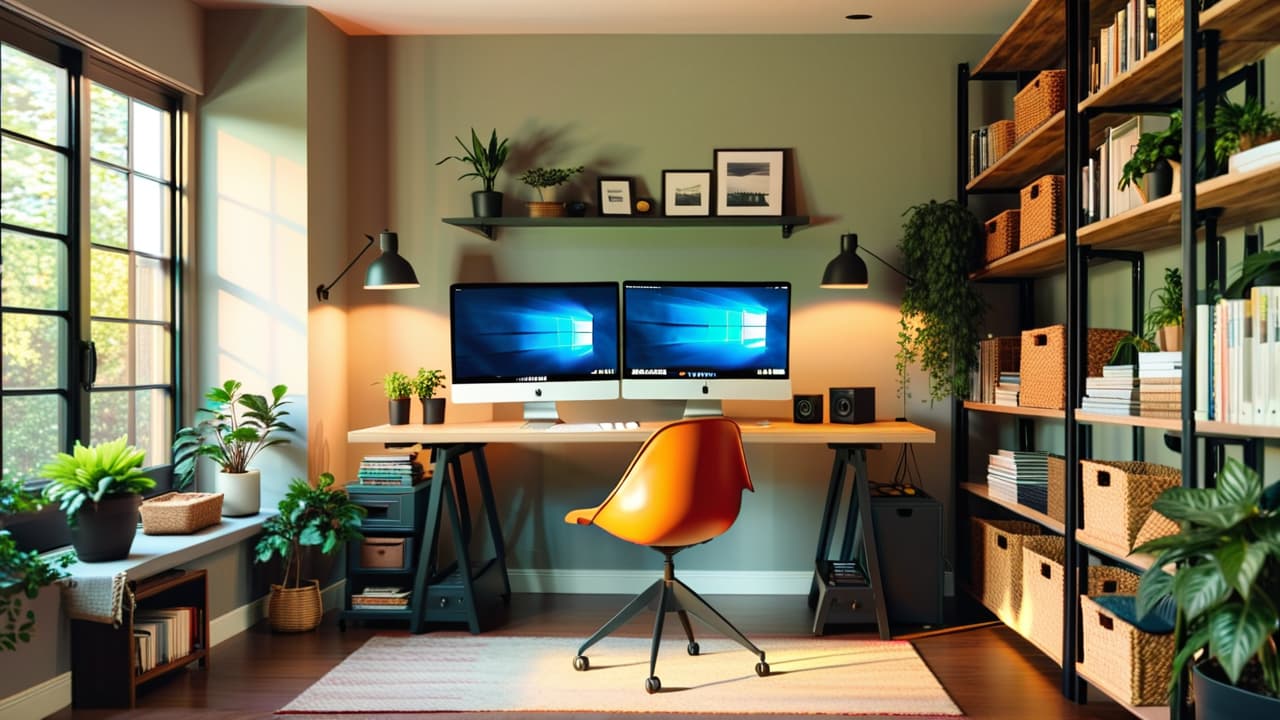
x=1169, y=338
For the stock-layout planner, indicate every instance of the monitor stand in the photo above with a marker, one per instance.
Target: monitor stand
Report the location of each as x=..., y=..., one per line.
x=702, y=408
x=540, y=415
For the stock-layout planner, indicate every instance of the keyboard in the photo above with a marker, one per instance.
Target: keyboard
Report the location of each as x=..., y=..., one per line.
x=594, y=427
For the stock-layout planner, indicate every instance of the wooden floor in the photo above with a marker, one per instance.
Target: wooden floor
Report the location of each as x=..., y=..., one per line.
x=989, y=671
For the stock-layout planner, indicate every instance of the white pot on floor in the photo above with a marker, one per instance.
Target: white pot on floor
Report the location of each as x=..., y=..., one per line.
x=241, y=492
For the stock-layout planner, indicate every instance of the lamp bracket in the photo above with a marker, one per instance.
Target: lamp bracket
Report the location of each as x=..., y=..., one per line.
x=322, y=291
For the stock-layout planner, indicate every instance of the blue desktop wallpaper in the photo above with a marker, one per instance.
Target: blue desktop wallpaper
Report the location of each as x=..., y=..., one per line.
x=729, y=330
x=554, y=331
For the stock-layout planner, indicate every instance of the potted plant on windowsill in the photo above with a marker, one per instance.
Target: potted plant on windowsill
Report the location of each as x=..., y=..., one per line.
x=1247, y=135
x=425, y=385
x=545, y=181
x=485, y=161
x=320, y=516
x=1225, y=588
x=100, y=488
x=398, y=388
x=1158, y=154
x=23, y=572
x=234, y=429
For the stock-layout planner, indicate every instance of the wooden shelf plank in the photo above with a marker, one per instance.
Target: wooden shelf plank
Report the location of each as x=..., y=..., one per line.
x=1244, y=198
x=1146, y=712
x=1044, y=258
x=1214, y=427
x=1092, y=418
x=1153, y=225
x=1115, y=552
x=1011, y=410
x=1244, y=20
x=1037, y=154
x=983, y=491
x=1035, y=41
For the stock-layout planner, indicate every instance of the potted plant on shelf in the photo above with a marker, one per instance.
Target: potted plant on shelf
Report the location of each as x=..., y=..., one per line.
x=398, y=388
x=425, y=385
x=1225, y=588
x=485, y=161
x=1159, y=155
x=319, y=516
x=545, y=181
x=100, y=488
x=941, y=311
x=1163, y=321
x=234, y=429
x=1243, y=131
x=23, y=572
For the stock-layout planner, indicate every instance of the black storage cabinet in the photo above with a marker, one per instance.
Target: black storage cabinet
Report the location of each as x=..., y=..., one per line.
x=909, y=535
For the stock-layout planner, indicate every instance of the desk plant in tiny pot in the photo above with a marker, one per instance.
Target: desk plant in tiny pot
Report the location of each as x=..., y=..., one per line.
x=1243, y=129
x=545, y=181
x=100, y=488
x=311, y=516
x=23, y=572
x=485, y=161
x=425, y=385
x=1158, y=154
x=1225, y=589
x=398, y=388
x=234, y=428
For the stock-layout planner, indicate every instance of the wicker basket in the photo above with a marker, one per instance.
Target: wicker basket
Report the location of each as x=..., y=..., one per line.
x=1002, y=235
x=1168, y=20
x=538, y=208
x=1040, y=100
x=1058, y=488
x=1155, y=526
x=180, y=513
x=1118, y=497
x=997, y=565
x=1042, y=590
x=1127, y=663
x=1043, y=381
x=1002, y=136
x=1043, y=205
x=295, y=609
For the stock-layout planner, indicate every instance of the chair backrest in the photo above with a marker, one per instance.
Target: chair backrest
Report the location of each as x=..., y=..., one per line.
x=683, y=487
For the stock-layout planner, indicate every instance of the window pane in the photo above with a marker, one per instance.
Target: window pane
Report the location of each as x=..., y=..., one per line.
x=33, y=101
x=151, y=357
x=33, y=182
x=108, y=415
x=111, y=340
x=150, y=140
x=109, y=284
x=34, y=349
x=35, y=271
x=152, y=288
x=150, y=216
x=108, y=207
x=109, y=125
x=33, y=430
x=153, y=431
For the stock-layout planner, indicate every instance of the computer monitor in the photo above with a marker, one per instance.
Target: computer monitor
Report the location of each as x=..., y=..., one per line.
x=704, y=342
x=534, y=343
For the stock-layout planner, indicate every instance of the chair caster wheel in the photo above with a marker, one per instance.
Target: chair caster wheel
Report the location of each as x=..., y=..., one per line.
x=581, y=663
x=762, y=669
x=652, y=685
x=693, y=648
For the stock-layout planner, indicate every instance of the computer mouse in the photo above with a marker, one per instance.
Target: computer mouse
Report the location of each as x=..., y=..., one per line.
x=632, y=425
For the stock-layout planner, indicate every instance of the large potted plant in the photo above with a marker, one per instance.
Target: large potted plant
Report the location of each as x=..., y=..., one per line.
x=100, y=489
x=545, y=181
x=1226, y=590
x=398, y=388
x=1242, y=131
x=23, y=572
x=485, y=161
x=1158, y=154
x=425, y=385
x=233, y=430
x=319, y=516
x=941, y=311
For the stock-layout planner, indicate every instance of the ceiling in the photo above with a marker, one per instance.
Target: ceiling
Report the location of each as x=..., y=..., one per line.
x=527, y=17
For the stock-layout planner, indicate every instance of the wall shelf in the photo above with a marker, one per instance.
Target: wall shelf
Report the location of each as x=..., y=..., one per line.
x=1013, y=410
x=1226, y=429
x=1115, y=552
x=1043, y=258
x=487, y=226
x=981, y=490
x=1093, y=418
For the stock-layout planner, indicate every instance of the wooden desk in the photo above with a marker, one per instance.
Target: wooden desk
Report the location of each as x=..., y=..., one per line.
x=451, y=441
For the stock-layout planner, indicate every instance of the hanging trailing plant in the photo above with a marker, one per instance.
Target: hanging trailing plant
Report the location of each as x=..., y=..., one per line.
x=941, y=312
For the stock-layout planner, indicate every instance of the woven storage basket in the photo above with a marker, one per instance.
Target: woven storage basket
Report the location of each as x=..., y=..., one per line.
x=1118, y=497
x=1038, y=101
x=1155, y=526
x=295, y=609
x=1043, y=380
x=1129, y=664
x=1058, y=488
x=1002, y=137
x=180, y=513
x=1168, y=20
x=997, y=565
x=1002, y=235
x=1043, y=204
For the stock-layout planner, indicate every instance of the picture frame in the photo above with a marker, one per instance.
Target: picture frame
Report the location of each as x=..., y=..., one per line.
x=616, y=194
x=749, y=182
x=687, y=193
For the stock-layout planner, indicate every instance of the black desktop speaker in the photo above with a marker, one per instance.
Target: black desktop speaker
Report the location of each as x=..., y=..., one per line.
x=853, y=405
x=806, y=408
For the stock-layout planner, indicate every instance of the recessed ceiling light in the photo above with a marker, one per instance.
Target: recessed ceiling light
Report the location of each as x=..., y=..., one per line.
x=857, y=16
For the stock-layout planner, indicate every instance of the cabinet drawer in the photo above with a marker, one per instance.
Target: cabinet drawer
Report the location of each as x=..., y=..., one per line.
x=391, y=509
x=385, y=553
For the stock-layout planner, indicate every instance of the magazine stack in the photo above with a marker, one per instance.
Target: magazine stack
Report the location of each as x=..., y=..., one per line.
x=389, y=469
x=1160, y=384
x=1020, y=477
x=1115, y=393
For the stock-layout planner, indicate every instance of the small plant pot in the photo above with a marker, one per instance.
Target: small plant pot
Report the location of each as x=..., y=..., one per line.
x=241, y=492
x=433, y=411
x=546, y=209
x=1169, y=338
x=1160, y=180
x=486, y=203
x=398, y=411
x=104, y=531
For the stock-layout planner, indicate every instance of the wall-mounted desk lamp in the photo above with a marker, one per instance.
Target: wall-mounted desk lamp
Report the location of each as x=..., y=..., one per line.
x=388, y=271
x=847, y=271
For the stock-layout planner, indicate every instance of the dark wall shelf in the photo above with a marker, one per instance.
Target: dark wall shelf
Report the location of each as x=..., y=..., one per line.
x=486, y=226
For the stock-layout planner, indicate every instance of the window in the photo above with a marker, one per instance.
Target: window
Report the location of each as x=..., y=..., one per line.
x=88, y=242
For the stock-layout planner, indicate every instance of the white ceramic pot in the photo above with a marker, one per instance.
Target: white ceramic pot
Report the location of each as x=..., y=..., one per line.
x=241, y=492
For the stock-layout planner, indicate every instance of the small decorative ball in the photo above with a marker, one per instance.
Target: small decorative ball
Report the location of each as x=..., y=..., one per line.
x=643, y=205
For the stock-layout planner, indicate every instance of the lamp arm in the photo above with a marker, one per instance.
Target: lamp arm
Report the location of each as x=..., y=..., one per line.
x=884, y=262
x=322, y=291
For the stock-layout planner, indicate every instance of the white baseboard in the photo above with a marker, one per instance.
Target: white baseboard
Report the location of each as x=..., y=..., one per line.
x=631, y=582
x=246, y=616
x=39, y=701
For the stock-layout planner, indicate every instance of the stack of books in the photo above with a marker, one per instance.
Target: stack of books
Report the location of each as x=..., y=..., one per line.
x=1115, y=393
x=1020, y=477
x=845, y=573
x=1007, y=389
x=391, y=469
x=161, y=636
x=381, y=598
x=1160, y=384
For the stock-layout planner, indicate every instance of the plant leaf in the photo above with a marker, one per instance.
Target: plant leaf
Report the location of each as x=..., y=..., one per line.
x=1237, y=631
x=1240, y=562
x=1199, y=588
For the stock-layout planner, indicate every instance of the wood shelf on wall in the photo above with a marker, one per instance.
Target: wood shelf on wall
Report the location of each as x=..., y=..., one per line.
x=983, y=491
x=1035, y=41
x=1013, y=410
x=486, y=226
x=1244, y=20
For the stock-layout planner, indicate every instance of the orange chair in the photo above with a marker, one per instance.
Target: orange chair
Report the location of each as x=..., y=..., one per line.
x=684, y=487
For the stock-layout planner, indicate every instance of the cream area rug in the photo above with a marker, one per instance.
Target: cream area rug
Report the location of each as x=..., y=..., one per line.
x=442, y=673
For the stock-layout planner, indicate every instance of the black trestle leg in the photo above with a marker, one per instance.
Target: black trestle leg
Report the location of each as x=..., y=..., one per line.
x=640, y=602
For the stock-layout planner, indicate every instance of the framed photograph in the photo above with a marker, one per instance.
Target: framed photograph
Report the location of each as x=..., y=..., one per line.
x=686, y=193
x=748, y=182
x=615, y=195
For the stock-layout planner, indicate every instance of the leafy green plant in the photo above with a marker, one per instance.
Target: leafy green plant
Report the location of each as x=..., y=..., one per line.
x=1241, y=126
x=426, y=382
x=538, y=178
x=1263, y=265
x=941, y=311
x=234, y=429
x=22, y=574
x=485, y=160
x=1154, y=147
x=1226, y=587
x=396, y=385
x=1128, y=346
x=317, y=515
x=92, y=473
x=15, y=498
x=1164, y=307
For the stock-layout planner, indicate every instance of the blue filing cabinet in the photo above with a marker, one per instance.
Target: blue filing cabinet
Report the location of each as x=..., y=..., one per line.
x=388, y=555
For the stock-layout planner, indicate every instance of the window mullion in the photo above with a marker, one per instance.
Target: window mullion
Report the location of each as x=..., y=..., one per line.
x=78, y=254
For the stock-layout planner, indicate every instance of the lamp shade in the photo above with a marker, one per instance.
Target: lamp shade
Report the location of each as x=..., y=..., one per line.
x=389, y=271
x=846, y=270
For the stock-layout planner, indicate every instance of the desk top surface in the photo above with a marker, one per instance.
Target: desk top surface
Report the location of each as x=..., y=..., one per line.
x=754, y=431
